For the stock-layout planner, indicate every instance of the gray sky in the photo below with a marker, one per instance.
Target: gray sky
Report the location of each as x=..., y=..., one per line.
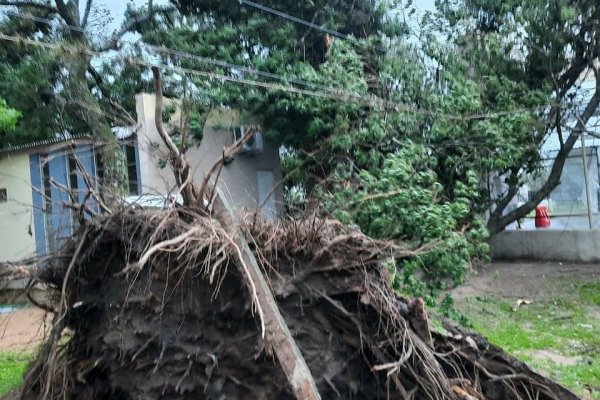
x=118, y=7
x=425, y=4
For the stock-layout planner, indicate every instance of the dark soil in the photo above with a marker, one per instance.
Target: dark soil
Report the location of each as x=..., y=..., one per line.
x=183, y=326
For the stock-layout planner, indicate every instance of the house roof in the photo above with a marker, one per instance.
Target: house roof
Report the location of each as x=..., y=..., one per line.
x=119, y=132
x=45, y=142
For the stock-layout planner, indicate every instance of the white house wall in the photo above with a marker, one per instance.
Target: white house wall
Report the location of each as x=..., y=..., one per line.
x=154, y=180
x=17, y=232
x=238, y=180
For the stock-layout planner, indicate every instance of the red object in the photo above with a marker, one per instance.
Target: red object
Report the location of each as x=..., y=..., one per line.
x=542, y=220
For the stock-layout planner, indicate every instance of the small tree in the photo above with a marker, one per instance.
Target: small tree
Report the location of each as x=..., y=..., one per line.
x=543, y=48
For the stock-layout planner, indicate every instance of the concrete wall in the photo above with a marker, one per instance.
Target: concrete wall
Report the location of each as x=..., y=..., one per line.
x=238, y=180
x=17, y=231
x=547, y=245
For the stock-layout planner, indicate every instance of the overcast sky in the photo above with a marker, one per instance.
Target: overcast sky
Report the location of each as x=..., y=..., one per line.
x=117, y=8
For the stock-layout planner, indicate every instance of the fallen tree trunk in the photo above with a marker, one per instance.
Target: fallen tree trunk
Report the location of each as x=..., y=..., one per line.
x=182, y=324
x=272, y=322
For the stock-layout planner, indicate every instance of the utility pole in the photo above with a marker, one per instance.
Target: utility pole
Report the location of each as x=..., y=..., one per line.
x=585, y=178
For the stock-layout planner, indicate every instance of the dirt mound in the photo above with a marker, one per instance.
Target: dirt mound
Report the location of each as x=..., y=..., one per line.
x=151, y=305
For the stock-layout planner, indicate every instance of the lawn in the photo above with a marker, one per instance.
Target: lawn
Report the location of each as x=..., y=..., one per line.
x=12, y=367
x=557, y=334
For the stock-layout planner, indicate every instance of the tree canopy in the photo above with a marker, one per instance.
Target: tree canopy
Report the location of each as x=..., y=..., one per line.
x=387, y=122
x=541, y=48
x=8, y=118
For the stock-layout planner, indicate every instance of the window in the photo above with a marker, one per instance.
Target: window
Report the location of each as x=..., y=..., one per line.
x=73, y=172
x=130, y=157
x=46, y=185
x=128, y=151
x=266, y=199
x=3, y=196
x=73, y=187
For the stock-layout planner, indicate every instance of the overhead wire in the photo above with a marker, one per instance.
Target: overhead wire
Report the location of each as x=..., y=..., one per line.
x=212, y=61
x=331, y=93
x=294, y=80
x=45, y=21
x=308, y=23
x=207, y=60
x=334, y=94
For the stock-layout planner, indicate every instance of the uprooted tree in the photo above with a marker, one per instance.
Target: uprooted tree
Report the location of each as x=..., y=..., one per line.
x=189, y=302
x=478, y=93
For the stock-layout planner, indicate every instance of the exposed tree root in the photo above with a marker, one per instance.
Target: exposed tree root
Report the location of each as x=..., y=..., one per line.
x=180, y=324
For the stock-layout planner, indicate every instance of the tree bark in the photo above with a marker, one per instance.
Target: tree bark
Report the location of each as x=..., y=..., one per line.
x=276, y=330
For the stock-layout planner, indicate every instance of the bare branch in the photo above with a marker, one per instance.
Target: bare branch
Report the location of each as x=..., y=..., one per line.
x=86, y=14
x=173, y=150
x=177, y=159
x=67, y=15
x=185, y=128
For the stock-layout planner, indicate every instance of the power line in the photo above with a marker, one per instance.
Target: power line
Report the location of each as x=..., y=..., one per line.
x=307, y=23
x=368, y=99
x=347, y=95
x=332, y=93
x=212, y=61
x=46, y=21
x=206, y=59
x=224, y=64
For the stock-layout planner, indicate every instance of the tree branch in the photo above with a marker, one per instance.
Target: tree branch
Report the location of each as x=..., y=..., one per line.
x=128, y=26
x=173, y=150
x=86, y=14
x=513, y=189
x=177, y=159
x=24, y=3
x=66, y=15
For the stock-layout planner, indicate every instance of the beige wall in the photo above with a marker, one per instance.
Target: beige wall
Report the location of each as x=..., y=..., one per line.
x=238, y=180
x=17, y=236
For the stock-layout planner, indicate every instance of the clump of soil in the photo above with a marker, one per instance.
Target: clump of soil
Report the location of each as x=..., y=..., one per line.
x=134, y=322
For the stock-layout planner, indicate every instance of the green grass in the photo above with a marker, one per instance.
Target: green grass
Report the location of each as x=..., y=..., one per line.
x=12, y=367
x=565, y=324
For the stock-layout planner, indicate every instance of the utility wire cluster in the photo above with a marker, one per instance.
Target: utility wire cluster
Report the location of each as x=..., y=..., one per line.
x=287, y=83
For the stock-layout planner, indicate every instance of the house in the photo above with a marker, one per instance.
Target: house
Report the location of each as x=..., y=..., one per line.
x=37, y=179
x=248, y=182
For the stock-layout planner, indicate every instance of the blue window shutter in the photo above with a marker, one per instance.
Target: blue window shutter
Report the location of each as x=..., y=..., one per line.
x=60, y=219
x=38, y=204
x=85, y=155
